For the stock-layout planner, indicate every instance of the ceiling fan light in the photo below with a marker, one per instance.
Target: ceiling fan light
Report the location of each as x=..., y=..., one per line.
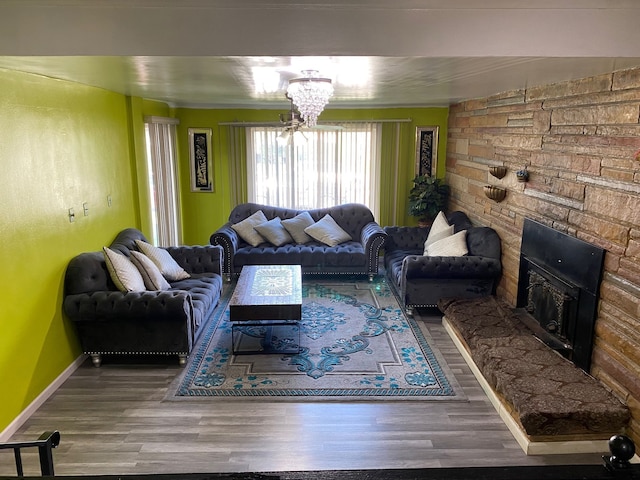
x=283, y=138
x=310, y=94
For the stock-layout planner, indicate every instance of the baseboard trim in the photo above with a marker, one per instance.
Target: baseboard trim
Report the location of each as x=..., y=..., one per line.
x=528, y=446
x=13, y=427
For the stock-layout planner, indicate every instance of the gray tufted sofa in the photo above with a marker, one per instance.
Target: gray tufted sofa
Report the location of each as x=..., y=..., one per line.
x=359, y=256
x=166, y=322
x=420, y=281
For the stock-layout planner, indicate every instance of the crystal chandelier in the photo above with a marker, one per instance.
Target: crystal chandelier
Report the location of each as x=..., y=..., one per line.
x=310, y=94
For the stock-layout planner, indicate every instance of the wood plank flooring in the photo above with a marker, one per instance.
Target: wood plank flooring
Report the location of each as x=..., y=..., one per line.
x=113, y=420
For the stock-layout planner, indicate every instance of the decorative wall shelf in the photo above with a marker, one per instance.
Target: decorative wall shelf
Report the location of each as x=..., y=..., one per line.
x=495, y=193
x=498, y=172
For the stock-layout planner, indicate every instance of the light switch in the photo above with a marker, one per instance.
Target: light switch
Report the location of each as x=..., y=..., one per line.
x=85, y=208
x=109, y=201
x=72, y=215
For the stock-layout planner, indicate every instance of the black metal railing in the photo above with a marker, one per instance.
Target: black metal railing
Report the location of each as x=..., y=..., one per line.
x=45, y=443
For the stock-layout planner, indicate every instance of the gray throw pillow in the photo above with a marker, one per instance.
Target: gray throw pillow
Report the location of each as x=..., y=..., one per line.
x=164, y=261
x=296, y=225
x=274, y=232
x=151, y=274
x=327, y=231
x=246, y=230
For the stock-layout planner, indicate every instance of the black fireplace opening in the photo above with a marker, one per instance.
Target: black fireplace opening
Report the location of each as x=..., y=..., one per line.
x=558, y=289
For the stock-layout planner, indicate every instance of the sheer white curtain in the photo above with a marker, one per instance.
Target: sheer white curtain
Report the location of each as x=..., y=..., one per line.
x=161, y=153
x=327, y=168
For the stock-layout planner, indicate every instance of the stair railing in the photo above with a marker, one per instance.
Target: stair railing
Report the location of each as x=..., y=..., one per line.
x=45, y=443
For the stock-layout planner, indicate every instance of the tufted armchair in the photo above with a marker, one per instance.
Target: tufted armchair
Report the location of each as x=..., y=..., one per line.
x=358, y=256
x=421, y=281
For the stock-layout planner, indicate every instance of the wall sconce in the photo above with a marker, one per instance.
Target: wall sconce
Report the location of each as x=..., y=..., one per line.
x=495, y=193
x=498, y=172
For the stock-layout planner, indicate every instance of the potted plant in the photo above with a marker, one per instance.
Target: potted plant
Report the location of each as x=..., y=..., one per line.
x=522, y=175
x=428, y=196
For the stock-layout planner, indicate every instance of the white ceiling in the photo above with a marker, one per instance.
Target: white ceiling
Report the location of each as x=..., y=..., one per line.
x=228, y=54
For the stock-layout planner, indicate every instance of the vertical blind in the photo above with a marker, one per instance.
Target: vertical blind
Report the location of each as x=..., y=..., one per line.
x=322, y=169
x=161, y=140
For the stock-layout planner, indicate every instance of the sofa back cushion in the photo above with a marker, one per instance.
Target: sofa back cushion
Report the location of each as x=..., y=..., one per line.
x=484, y=242
x=86, y=273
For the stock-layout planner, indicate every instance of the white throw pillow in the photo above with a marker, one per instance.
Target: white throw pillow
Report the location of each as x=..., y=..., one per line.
x=274, y=232
x=452, y=246
x=296, y=225
x=440, y=229
x=151, y=274
x=123, y=272
x=246, y=229
x=327, y=231
x=164, y=261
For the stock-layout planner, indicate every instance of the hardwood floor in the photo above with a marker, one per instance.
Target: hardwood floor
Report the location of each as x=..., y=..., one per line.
x=113, y=420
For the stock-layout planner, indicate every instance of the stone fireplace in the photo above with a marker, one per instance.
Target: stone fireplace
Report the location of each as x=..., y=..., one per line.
x=558, y=290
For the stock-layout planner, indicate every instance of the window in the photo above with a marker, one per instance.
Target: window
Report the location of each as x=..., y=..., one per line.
x=317, y=169
x=160, y=136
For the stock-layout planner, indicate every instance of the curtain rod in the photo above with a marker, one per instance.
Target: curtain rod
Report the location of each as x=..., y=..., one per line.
x=280, y=124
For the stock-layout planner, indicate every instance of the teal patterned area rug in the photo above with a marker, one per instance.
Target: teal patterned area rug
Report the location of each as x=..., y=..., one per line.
x=356, y=343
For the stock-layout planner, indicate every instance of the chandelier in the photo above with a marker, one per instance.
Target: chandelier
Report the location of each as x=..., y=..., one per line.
x=310, y=94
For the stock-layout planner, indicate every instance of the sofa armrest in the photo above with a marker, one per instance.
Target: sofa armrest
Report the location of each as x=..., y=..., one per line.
x=228, y=239
x=373, y=238
x=372, y=233
x=104, y=306
x=419, y=266
x=405, y=238
x=198, y=258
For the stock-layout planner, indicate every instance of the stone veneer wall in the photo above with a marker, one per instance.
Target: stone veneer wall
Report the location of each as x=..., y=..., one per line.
x=578, y=141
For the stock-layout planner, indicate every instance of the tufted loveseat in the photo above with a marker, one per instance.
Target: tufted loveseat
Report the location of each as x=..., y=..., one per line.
x=159, y=322
x=421, y=281
x=358, y=256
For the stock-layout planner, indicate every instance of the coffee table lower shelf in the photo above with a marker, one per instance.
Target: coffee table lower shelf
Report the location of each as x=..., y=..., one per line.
x=265, y=336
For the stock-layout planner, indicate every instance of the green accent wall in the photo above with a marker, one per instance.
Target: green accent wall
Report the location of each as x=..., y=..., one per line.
x=203, y=213
x=62, y=144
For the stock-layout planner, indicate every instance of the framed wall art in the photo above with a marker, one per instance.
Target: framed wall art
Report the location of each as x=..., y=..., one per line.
x=200, y=163
x=427, y=151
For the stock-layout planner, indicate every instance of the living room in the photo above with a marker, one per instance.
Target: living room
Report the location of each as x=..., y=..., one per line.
x=66, y=144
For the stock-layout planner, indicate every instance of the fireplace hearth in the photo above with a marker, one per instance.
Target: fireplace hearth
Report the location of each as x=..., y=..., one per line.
x=558, y=290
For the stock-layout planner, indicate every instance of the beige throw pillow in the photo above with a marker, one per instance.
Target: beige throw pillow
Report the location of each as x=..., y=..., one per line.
x=246, y=230
x=274, y=232
x=164, y=261
x=123, y=272
x=452, y=246
x=440, y=229
x=151, y=274
x=327, y=231
x=296, y=225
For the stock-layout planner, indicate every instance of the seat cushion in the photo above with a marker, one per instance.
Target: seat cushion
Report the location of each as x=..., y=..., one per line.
x=205, y=289
x=312, y=254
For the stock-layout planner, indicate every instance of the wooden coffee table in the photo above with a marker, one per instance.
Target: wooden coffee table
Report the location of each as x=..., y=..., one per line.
x=265, y=310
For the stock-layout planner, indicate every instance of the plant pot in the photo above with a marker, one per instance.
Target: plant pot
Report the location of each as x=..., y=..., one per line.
x=522, y=175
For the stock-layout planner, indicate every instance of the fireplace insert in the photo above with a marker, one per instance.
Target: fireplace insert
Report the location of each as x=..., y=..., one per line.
x=558, y=289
